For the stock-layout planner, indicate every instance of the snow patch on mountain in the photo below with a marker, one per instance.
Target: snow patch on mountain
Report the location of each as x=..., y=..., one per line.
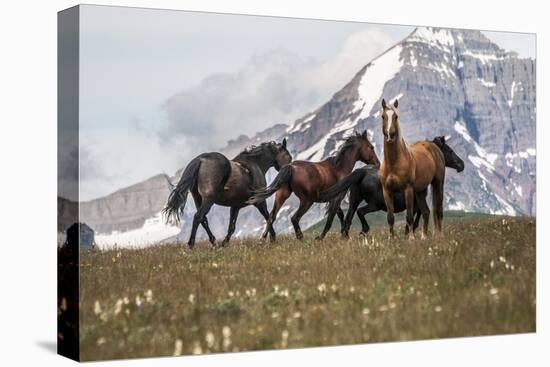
x=301, y=125
x=375, y=76
x=439, y=38
x=154, y=230
x=483, y=158
x=485, y=83
x=485, y=58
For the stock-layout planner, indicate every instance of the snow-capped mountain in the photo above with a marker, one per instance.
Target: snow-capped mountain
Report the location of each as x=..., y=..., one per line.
x=449, y=82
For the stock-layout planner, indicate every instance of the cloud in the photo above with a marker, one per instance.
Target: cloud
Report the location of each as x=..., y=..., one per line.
x=273, y=87
x=110, y=160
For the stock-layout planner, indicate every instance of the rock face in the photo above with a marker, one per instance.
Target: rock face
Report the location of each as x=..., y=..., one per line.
x=449, y=82
x=128, y=208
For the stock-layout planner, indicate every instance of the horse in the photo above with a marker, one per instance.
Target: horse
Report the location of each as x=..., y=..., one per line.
x=213, y=179
x=364, y=184
x=410, y=169
x=308, y=179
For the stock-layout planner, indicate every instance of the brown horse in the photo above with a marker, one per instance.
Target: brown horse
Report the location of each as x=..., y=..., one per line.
x=308, y=179
x=410, y=169
x=213, y=179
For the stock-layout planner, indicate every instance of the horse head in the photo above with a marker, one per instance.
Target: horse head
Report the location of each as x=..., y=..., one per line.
x=282, y=155
x=452, y=160
x=366, y=151
x=390, y=121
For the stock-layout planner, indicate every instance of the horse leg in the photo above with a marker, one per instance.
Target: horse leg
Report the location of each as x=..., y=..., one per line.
x=361, y=213
x=280, y=197
x=233, y=214
x=437, y=205
x=198, y=202
x=341, y=217
x=199, y=218
x=417, y=220
x=262, y=207
x=295, y=219
x=388, y=199
x=424, y=210
x=354, y=201
x=409, y=202
x=330, y=219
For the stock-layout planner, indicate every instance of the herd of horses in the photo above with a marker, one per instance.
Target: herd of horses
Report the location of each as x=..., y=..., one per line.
x=399, y=183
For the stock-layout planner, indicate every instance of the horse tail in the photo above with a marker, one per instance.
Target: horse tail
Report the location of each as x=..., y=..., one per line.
x=178, y=195
x=283, y=177
x=343, y=185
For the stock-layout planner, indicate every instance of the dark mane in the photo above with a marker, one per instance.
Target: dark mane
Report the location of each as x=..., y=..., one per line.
x=255, y=150
x=348, y=144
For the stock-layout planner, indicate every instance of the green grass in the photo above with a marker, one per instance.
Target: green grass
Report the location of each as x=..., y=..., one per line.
x=478, y=280
x=379, y=219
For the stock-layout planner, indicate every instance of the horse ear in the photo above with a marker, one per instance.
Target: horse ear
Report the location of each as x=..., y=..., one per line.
x=384, y=103
x=364, y=134
x=284, y=143
x=395, y=104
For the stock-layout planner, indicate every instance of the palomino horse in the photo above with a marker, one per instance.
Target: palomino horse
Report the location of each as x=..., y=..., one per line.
x=214, y=179
x=308, y=179
x=364, y=184
x=410, y=169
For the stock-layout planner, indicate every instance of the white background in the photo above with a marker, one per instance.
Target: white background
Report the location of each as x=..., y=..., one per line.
x=28, y=182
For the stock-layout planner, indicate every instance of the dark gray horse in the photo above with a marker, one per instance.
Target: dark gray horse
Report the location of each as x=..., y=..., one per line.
x=213, y=179
x=364, y=184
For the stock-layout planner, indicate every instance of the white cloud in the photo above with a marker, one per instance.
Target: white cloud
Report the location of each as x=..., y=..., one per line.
x=110, y=160
x=274, y=87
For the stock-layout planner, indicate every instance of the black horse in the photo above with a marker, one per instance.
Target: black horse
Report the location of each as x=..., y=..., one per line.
x=214, y=179
x=364, y=184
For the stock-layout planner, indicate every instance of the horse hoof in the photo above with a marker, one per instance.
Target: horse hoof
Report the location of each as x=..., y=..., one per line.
x=318, y=238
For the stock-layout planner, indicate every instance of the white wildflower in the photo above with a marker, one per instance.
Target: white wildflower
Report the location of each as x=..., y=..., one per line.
x=210, y=339
x=197, y=349
x=178, y=346
x=284, y=339
x=118, y=306
x=97, y=308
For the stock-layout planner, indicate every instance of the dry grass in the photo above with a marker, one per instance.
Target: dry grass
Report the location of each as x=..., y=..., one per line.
x=479, y=280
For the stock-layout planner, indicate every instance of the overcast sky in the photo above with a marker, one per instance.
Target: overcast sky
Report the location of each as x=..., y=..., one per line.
x=158, y=87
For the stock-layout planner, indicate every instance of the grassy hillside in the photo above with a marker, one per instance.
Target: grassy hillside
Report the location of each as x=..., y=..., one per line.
x=165, y=300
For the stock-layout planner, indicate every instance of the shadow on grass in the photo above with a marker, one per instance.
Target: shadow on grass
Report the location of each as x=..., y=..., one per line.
x=48, y=345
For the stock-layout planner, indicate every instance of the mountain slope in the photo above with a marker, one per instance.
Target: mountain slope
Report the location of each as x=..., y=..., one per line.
x=449, y=82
